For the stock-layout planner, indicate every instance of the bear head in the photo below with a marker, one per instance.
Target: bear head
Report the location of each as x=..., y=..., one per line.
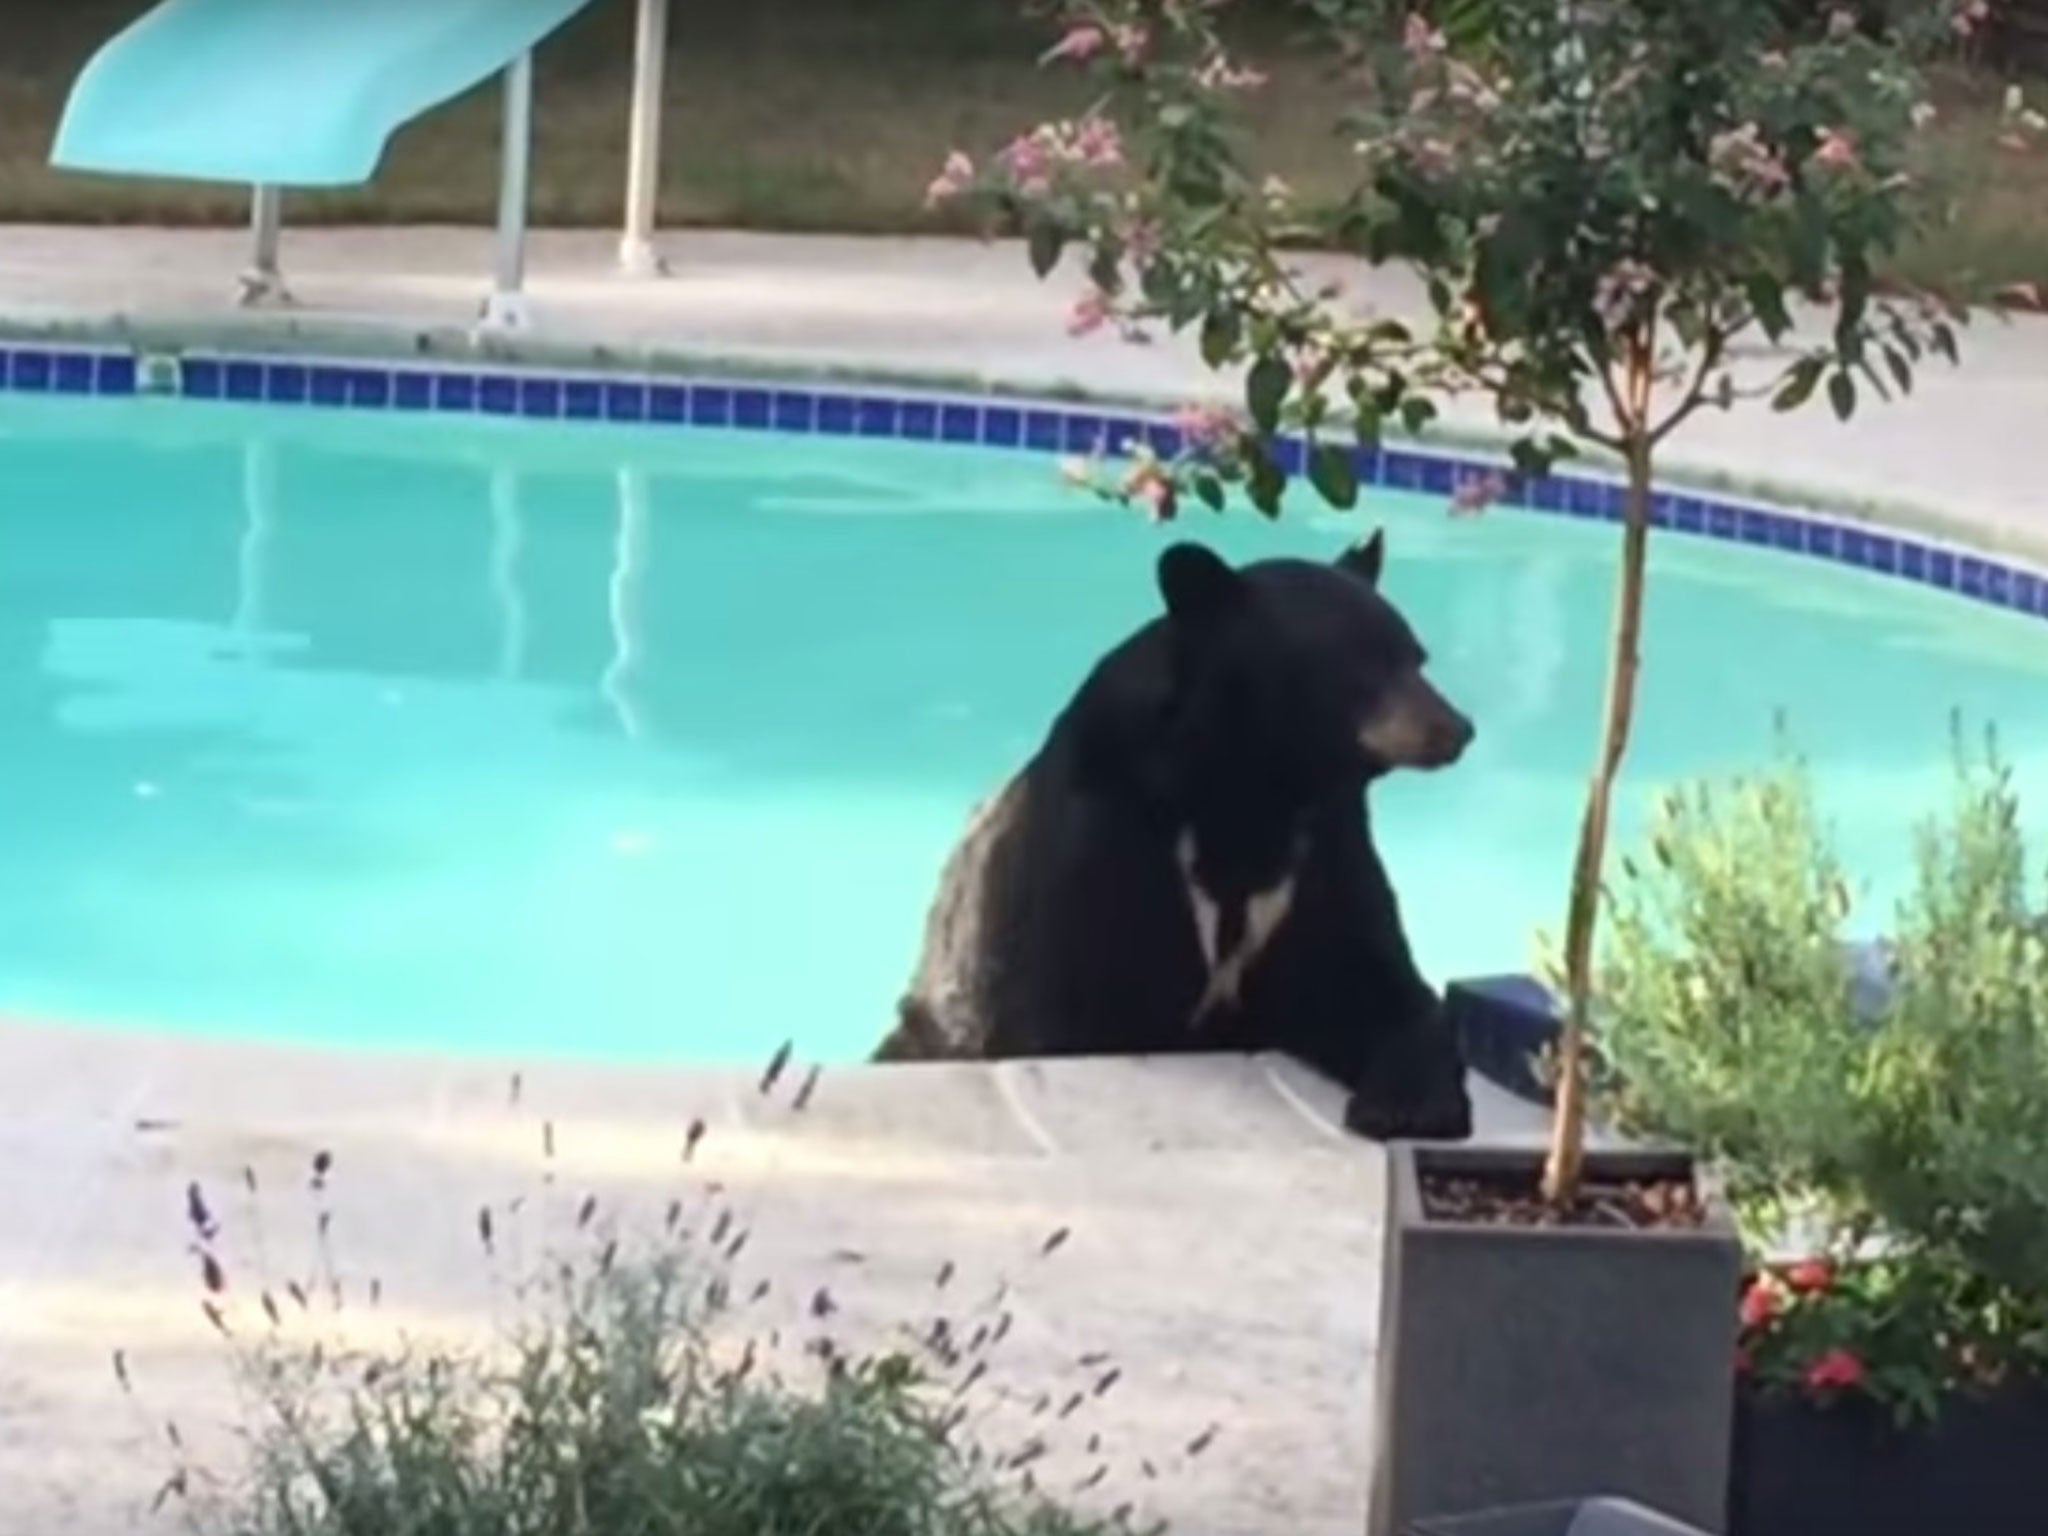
x=1301, y=672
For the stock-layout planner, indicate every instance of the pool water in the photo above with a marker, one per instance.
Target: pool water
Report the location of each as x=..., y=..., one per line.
x=632, y=744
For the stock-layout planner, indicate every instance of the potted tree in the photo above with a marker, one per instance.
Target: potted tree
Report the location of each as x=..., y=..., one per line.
x=1601, y=201
x=1890, y=1172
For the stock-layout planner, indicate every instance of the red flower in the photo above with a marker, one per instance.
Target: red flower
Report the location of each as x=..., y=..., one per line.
x=1810, y=1275
x=1837, y=1369
x=1759, y=1302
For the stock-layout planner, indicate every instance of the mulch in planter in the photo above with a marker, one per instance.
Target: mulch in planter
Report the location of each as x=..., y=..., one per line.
x=1803, y=1468
x=1514, y=1200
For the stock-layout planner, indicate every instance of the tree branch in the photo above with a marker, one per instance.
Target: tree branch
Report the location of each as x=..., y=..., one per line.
x=1712, y=352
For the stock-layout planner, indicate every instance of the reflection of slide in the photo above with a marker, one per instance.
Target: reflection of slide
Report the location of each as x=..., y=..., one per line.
x=284, y=92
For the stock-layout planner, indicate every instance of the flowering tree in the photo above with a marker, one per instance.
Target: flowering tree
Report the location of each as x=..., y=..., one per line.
x=1600, y=197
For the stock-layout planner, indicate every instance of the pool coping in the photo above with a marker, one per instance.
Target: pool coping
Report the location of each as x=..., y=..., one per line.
x=362, y=367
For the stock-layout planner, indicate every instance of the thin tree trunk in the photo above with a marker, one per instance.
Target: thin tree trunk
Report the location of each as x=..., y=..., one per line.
x=1568, y=1126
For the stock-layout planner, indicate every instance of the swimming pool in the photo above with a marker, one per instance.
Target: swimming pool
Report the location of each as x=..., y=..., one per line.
x=488, y=735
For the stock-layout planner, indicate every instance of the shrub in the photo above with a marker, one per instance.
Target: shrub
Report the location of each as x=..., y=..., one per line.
x=628, y=1396
x=1909, y=1139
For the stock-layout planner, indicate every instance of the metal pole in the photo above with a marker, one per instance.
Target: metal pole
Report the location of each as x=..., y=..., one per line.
x=506, y=308
x=643, y=154
x=263, y=280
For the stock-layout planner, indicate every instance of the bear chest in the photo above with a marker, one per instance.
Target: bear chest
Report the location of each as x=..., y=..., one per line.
x=1235, y=922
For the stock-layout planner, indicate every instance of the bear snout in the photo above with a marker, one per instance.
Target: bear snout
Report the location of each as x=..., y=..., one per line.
x=1451, y=736
x=1416, y=727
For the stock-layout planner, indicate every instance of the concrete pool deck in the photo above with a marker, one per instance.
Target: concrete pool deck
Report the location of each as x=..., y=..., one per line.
x=1222, y=1250
x=1224, y=1239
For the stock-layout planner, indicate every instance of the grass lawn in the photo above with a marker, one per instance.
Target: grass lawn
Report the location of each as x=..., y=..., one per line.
x=817, y=115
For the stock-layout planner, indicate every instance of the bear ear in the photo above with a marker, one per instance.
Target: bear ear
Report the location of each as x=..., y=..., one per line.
x=1365, y=560
x=1198, y=585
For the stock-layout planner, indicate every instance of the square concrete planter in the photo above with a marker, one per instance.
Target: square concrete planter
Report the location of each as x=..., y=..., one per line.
x=1573, y=1517
x=1522, y=1364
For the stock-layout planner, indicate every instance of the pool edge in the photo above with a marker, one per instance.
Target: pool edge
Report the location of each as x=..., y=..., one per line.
x=363, y=368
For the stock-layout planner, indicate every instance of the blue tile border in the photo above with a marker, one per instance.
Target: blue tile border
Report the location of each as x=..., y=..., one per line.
x=1029, y=425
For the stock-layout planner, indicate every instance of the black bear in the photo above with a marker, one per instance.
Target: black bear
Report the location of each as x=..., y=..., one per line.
x=1187, y=863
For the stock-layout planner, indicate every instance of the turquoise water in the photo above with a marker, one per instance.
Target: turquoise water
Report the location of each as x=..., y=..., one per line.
x=499, y=737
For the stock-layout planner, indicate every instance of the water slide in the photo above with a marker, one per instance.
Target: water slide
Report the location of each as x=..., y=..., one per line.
x=290, y=93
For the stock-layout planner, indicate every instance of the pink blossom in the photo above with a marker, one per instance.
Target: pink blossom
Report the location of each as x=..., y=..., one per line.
x=1131, y=42
x=1032, y=159
x=1089, y=314
x=1311, y=363
x=1219, y=74
x=1141, y=241
x=1923, y=113
x=1621, y=291
x=1420, y=38
x=1096, y=142
x=1469, y=86
x=1772, y=60
x=1028, y=159
x=1968, y=16
x=956, y=177
x=1744, y=164
x=1432, y=156
x=1147, y=481
x=1841, y=23
x=1155, y=488
x=1836, y=150
x=1475, y=493
x=1206, y=428
x=1080, y=43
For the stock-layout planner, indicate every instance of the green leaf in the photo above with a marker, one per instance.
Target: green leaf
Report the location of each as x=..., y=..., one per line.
x=1901, y=370
x=1800, y=381
x=1266, y=391
x=1045, y=243
x=1331, y=472
x=1854, y=300
x=1366, y=422
x=1766, y=296
x=1265, y=481
x=1943, y=340
x=1842, y=394
x=1530, y=457
x=1210, y=491
x=1105, y=270
x=1219, y=337
x=1472, y=24
x=1417, y=413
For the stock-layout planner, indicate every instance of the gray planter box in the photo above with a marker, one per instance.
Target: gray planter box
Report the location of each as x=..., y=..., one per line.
x=1523, y=1364
x=1576, y=1517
